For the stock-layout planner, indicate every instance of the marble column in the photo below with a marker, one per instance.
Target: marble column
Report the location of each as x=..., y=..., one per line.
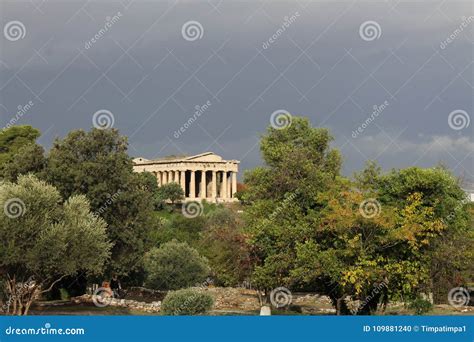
x=229, y=184
x=182, y=181
x=202, y=192
x=214, y=185
x=234, y=183
x=192, y=185
x=165, y=177
x=224, y=185
x=176, y=177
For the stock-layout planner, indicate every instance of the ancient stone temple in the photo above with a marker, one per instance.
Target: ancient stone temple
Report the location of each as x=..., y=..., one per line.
x=203, y=176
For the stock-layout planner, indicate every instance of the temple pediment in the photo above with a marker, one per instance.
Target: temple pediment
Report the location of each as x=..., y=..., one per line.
x=205, y=157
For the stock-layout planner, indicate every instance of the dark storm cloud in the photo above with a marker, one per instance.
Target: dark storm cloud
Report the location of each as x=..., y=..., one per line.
x=309, y=58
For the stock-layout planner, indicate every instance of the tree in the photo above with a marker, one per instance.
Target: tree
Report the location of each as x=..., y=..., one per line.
x=299, y=165
x=45, y=239
x=28, y=159
x=172, y=192
x=96, y=164
x=223, y=244
x=296, y=158
x=19, y=154
x=371, y=240
x=449, y=254
x=178, y=227
x=175, y=265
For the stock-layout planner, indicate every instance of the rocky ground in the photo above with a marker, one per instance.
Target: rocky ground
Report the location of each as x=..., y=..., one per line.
x=228, y=301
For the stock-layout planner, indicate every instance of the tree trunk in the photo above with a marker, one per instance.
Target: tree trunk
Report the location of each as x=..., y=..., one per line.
x=340, y=304
x=20, y=296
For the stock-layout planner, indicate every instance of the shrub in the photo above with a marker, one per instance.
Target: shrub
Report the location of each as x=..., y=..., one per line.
x=64, y=294
x=186, y=302
x=174, y=265
x=420, y=306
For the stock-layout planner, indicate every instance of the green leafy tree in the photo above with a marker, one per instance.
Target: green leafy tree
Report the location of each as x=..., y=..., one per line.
x=178, y=227
x=299, y=165
x=175, y=265
x=368, y=240
x=28, y=159
x=19, y=154
x=44, y=240
x=449, y=254
x=96, y=164
x=296, y=158
x=224, y=244
x=172, y=192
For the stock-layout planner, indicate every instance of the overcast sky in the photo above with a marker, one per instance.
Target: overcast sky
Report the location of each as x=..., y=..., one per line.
x=332, y=61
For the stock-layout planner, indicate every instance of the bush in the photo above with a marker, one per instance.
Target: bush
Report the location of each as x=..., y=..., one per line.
x=186, y=302
x=64, y=294
x=420, y=306
x=174, y=265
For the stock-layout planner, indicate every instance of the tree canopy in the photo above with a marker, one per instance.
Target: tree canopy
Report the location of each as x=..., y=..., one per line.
x=309, y=228
x=45, y=239
x=19, y=153
x=96, y=164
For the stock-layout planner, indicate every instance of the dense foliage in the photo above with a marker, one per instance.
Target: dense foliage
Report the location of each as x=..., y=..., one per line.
x=399, y=235
x=370, y=240
x=19, y=154
x=174, y=265
x=168, y=192
x=97, y=165
x=45, y=239
x=186, y=302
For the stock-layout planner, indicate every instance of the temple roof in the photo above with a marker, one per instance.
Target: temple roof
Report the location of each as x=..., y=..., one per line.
x=202, y=157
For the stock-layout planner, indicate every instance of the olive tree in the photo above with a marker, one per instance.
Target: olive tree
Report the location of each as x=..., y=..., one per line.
x=44, y=240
